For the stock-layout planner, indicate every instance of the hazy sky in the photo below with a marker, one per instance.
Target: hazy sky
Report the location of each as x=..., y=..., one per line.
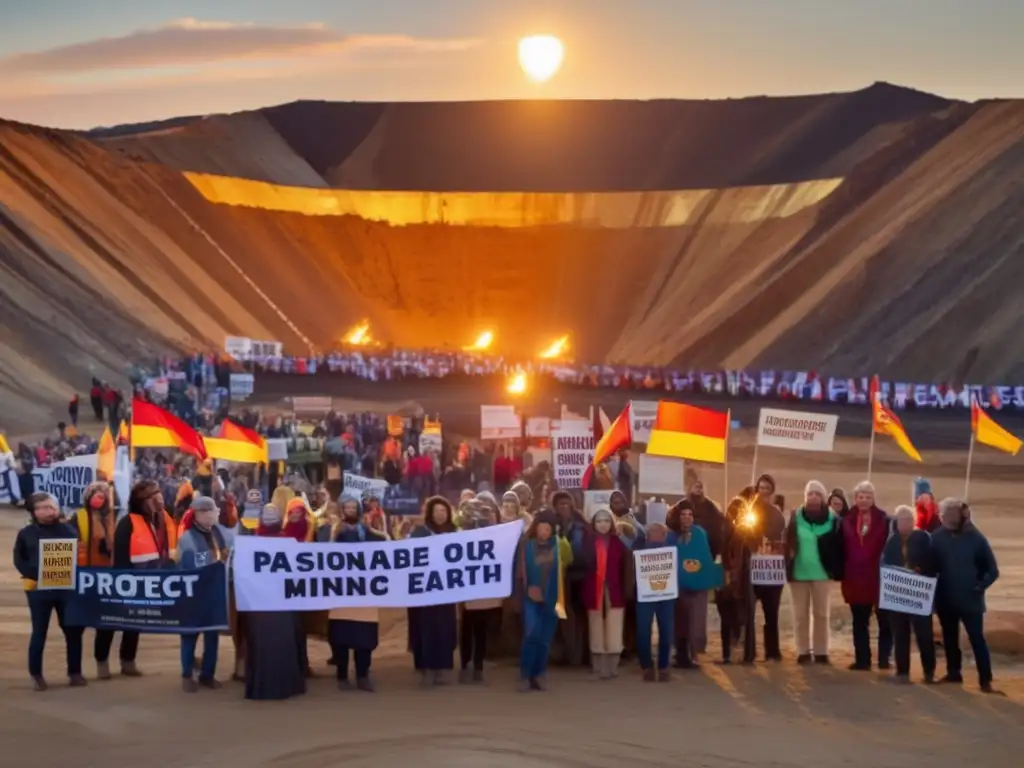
x=82, y=63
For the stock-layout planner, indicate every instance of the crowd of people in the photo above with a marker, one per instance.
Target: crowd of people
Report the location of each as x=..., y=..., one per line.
x=573, y=599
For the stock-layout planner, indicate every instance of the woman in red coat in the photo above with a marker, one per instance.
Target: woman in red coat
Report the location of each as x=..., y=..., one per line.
x=865, y=530
x=606, y=584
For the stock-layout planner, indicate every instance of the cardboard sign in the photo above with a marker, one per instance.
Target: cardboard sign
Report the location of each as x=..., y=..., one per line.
x=499, y=422
x=768, y=570
x=657, y=574
x=663, y=475
x=641, y=416
x=904, y=591
x=58, y=562
x=796, y=430
x=593, y=501
x=573, y=451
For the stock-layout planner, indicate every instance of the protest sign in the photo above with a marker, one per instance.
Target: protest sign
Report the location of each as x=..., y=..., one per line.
x=358, y=485
x=768, y=570
x=10, y=490
x=663, y=475
x=241, y=385
x=68, y=479
x=431, y=438
x=538, y=426
x=277, y=574
x=641, y=415
x=152, y=601
x=58, y=561
x=657, y=574
x=796, y=430
x=594, y=500
x=573, y=450
x=499, y=422
x=904, y=591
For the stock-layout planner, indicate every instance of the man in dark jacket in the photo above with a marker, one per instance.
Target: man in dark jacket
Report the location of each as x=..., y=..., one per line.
x=910, y=549
x=966, y=567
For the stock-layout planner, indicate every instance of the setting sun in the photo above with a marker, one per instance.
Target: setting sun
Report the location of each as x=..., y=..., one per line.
x=540, y=56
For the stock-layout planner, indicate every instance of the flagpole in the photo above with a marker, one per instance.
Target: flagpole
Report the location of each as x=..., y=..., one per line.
x=753, y=467
x=725, y=465
x=871, y=445
x=970, y=460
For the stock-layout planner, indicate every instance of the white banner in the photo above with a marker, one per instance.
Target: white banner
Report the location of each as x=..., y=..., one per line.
x=10, y=490
x=365, y=486
x=500, y=422
x=431, y=440
x=641, y=417
x=279, y=574
x=657, y=574
x=594, y=500
x=68, y=479
x=768, y=570
x=904, y=591
x=663, y=475
x=796, y=430
x=241, y=385
x=573, y=450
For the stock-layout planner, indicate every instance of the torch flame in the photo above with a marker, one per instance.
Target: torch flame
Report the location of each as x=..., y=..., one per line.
x=557, y=349
x=517, y=384
x=360, y=335
x=483, y=341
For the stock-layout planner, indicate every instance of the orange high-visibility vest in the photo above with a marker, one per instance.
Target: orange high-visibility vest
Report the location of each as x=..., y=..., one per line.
x=88, y=547
x=144, y=547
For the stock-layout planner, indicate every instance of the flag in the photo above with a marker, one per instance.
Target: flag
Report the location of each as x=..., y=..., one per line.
x=885, y=422
x=105, y=457
x=153, y=427
x=237, y=443
x=123, y=434
x=686, y=432
x=4, y=447
x=987, y=432
x=619, y=435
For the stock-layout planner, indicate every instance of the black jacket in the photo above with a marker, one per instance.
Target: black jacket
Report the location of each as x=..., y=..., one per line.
x=26, y=545
x=965, y=566
x=919, y=553
x=830, y=547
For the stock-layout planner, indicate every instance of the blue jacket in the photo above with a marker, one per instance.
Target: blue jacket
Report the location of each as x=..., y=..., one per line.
x=194, y=550
x=965, y=566
x=698, y=571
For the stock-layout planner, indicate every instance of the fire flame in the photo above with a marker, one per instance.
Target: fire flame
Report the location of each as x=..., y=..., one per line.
x=557, y=349
x=483, y=341
x=360, y=335
x=517, y=384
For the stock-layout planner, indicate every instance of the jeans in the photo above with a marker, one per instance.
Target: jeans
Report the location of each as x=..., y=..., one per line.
x=902, y=625
x=362, y=659
x=771, y=600
x=974, y=624
x=41, y=603
x=663, y=612
x=539, y=624
x=730, y=614
x=211, y=641
x=473, y=637
x=862, y=637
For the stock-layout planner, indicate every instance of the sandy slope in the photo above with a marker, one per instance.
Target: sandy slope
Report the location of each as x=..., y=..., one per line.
x=689, y=233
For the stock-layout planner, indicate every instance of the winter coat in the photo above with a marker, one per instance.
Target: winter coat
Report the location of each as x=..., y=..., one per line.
x=966, y=567
x=862, y=558
x=919, y=556
x=830, y=546
x=618, y=582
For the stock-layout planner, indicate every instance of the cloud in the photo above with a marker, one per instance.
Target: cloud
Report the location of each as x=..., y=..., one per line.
x=187, y=47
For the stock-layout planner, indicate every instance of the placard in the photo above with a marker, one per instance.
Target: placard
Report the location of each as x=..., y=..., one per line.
x=241, y=385
x=904, y=591
x=768, y=570
x=58, y=562
x=657, y=574
x=796, y=430
x=664, y=475
x=573, y=451
x=594, y=500
x=641, y=416
x=396, y=425
x=538, y=426
x=499, y=422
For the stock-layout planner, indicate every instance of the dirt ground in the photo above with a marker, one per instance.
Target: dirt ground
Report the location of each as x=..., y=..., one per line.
x=767, y=715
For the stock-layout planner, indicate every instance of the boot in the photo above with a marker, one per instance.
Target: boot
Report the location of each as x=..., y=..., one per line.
x=39, y=683
x=77, y=681
x=478, y=676
x=525, y=685
x=539, y=683
x=210, y=683
x=426, y=679
x=596, y=666
x=239, y=674
x=130, y=669
x=364, y=684
x=102, y=670
x=683, y=658
x=613, y=660
x=188, y=685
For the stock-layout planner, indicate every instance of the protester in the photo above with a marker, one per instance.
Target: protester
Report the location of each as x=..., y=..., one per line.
x=202, y=543
x=813, y=559
x=478, y=616
x=865, y=531
x=697, y=575
x=274, y=640
x=45, y=523
x=433, y=629
x=573, y=528
x=661, y=612
x=773, y=528
x=838, y=504
x=912, y=550
x=734, y=599
x=145, y=538
x=607, y=581
x=540, y=579
x=966, y=568
x=706, y=513
x=353, y=632
x=618, y=504
x=926, y=510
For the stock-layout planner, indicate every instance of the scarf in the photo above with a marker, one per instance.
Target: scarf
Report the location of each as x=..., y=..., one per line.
x=297, y=529
x=275, y=529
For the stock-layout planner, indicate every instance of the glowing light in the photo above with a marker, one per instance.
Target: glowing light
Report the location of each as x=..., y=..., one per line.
x=557, y=349
x=359, y=336
x=749, y=518
x=540, y=56
x=483, y=341
x=517, y=384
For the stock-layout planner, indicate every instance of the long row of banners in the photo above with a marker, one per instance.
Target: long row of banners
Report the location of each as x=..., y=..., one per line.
x=278, y=574
x=67, y=480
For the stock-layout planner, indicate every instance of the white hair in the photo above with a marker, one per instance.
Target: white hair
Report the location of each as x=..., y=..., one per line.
x=953, y=505
x=864, y=486
x=815, y=487
x=903, y=511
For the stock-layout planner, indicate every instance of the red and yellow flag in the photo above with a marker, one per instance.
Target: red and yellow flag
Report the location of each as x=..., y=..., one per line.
x=687, y=432
x=238, y=444
x=618, y=436
x=885, y=422
x=153, y=427
x=123, y=434
x=106, y=457
x=987, y=432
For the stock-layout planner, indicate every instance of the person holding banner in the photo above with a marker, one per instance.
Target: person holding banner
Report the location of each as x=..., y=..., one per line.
x=478, y=616
x=433, y=630
x=202, y=543
x=543, y=559
x=46, y=524
x=966, y=568
x=865, y=531
x=911, y=549
x=607, y=581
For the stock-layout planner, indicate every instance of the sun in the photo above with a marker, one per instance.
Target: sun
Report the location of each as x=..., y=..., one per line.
x=540, y=56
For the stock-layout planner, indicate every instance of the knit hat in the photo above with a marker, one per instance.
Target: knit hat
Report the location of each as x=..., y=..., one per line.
x=815, y=487
x=921, y=485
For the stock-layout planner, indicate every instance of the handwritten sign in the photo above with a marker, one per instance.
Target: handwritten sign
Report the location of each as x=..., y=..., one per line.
x=58, y=561
x=904, y=591
x=656, y=574
x=768, y=570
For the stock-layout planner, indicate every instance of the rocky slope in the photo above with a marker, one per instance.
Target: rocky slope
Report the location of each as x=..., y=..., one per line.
x=878, y=230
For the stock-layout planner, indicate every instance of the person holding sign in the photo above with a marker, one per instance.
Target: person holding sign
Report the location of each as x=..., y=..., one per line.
x=966, y=568
x=911, y=549
x=607, y=581
x=698, y=573
x=661, y=612
x=37, y=549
